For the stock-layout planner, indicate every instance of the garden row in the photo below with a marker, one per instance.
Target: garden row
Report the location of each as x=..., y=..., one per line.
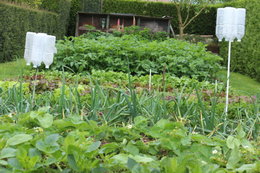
x=134, y=51
x=111, y=95
x=245, y=55
x=36, y=142
x=112, y=122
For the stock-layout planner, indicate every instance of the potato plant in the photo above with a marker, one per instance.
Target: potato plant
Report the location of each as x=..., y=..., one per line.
x=137, y=54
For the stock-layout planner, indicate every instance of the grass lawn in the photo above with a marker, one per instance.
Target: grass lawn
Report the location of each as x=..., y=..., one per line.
x=244, y=85
x=12, y=69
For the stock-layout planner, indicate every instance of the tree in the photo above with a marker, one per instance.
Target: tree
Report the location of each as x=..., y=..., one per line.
x=183, y=8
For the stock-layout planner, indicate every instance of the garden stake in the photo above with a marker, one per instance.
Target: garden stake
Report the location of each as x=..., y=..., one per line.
x=34, y=87
x=230, y=25
x=228, y=76
x=150, y=80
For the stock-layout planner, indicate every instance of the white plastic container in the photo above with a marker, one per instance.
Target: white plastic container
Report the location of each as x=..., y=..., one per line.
x=39, y=48
x=230, y=23
x=50, y=50
x=28, y=47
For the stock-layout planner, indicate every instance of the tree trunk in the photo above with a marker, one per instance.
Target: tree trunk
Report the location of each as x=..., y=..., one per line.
x=181, y=31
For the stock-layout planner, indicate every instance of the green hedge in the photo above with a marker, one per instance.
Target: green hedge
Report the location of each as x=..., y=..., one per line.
x=92, y=6
x=61, y=7
x=82, y=5
x=31, y=3
x=16, y=21
x=245, y=56
x=204, y=24
x=76, y=6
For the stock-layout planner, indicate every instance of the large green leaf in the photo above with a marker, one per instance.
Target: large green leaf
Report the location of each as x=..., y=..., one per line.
x=44, y=118
x=234, y=158
x=18, y=139
x=7, y=152
x=232, y=142
x=49, y=144
x=94, y=146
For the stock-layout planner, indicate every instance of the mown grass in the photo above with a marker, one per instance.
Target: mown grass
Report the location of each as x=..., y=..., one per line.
x=12, y=69
x=242, y=84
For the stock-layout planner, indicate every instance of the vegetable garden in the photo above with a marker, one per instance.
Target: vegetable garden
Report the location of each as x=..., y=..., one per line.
x=133, y=102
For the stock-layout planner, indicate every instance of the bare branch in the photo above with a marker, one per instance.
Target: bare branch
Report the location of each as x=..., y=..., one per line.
x=178, y=8
x=188, y=12
x=185, y=25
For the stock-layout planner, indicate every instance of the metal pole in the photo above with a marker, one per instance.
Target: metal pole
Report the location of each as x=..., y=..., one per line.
x=228, y=75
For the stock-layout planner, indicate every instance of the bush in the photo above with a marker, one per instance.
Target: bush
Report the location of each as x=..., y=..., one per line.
x=113, y=53
x=246, y=54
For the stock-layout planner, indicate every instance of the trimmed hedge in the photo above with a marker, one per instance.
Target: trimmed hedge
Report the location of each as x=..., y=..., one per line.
x=61, y=7
x=203, y=24
x=19, y=19
x=82, y=5
x=92, y=6
x=245, y=56
x=76, y=6
x=16, y=21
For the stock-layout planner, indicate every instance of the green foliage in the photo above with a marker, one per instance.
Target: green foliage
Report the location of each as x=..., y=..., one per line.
x=108, y=97
x=73, y=145
x=143, y=33
x=76, y=6
x=92, y=6
x=31, y=3
x=62, y=8
x=246, y=54
x=113, y=53
x=18, y=20
x=79, y=6
x=203, y=24
x=13, y=32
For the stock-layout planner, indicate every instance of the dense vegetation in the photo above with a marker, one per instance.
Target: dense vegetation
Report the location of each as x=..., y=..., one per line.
x=50, y=124
x=136, y=102
x=37, y=143
x=13, y=31
x=246, y=54
x=204, y=24
x=108, y=52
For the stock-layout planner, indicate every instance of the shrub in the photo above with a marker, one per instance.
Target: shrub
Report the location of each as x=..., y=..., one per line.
x=113, y=53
